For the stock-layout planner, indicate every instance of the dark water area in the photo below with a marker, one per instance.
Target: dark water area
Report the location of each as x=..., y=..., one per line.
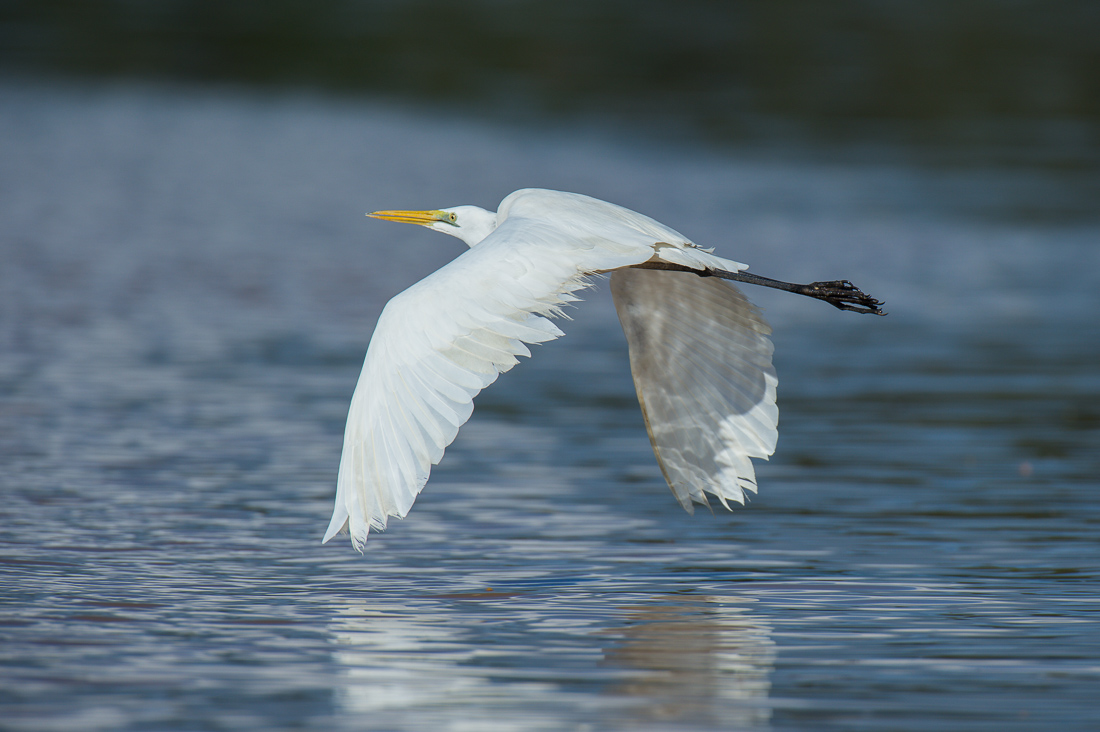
x=187, y=288
x=957, y=79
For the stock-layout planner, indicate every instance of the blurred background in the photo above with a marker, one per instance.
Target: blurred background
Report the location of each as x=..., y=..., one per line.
x=188, y=285
x=1012, y=79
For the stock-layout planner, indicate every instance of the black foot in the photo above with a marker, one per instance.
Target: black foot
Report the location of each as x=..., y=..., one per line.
x=844, y=295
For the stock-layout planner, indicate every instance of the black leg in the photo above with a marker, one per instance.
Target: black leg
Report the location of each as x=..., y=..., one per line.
x=840, y=294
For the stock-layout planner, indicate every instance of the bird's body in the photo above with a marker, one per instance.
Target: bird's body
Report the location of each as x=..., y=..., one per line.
x=699, y=352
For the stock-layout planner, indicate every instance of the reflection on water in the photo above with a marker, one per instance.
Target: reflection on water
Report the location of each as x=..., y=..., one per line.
x=394, y=659
x=705, y=661
x=699, y=662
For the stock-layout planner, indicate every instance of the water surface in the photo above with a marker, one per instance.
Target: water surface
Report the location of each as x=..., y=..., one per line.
x=187, y=287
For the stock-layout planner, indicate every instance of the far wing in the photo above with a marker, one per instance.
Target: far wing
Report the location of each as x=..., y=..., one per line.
x=438, y=344
x=702, y=365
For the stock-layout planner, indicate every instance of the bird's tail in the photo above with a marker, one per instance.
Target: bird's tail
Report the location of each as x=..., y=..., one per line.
x=696, y=258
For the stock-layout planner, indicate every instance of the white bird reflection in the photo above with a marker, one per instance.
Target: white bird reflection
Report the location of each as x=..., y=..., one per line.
x=396, y=658
x=490, y=661
x=700, y=661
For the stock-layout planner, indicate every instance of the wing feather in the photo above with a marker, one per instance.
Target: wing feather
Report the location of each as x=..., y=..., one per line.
x=702, y=367
x=442, y=341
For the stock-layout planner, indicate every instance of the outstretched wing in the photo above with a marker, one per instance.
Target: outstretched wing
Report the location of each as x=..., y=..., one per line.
x=438, y=344
x=702, y=365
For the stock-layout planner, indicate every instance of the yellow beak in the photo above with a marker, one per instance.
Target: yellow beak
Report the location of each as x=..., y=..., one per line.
x=424, y=218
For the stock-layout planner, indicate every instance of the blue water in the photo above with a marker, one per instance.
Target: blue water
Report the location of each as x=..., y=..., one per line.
x=187, y=287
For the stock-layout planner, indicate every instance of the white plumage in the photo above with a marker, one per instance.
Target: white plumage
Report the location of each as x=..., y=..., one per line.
x=699, y=350
x=702, y=366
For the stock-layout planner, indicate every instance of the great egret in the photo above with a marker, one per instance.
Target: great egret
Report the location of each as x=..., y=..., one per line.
x=699, y=350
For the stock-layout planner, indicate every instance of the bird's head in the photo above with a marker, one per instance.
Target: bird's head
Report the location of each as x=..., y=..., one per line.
x=469, y=223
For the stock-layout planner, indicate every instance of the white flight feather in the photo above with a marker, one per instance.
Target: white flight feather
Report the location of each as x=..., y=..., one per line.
x=702, y=366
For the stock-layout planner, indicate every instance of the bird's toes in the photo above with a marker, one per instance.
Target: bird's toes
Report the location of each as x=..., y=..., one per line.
x=844, y=295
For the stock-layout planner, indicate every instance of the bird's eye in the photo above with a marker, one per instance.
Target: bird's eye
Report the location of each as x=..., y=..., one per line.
x=452, y=217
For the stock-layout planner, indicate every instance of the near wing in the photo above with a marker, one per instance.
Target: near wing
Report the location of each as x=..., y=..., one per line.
x=438, y=344
x=702, y=365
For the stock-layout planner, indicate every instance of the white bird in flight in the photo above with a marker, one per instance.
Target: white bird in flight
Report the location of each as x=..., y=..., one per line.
x=699, y=351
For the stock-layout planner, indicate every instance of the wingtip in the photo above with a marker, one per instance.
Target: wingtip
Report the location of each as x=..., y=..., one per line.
x=338, y=524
